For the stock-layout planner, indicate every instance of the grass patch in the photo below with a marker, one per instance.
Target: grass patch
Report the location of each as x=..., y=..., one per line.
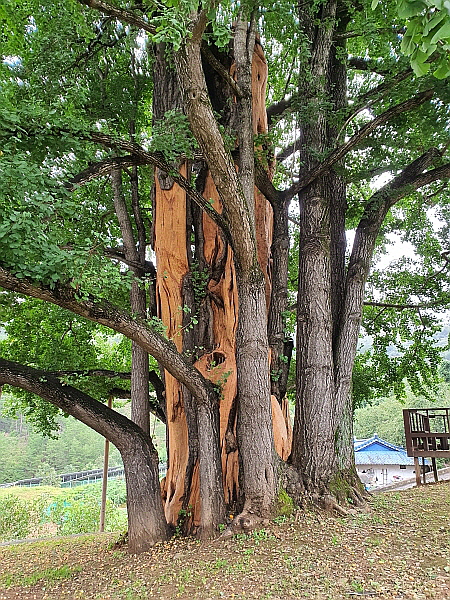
x=46, y=575
x=399, y=548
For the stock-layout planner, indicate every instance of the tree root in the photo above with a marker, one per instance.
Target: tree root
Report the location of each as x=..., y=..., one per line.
x=330, y=504
x=243, y=523
x=345, y=498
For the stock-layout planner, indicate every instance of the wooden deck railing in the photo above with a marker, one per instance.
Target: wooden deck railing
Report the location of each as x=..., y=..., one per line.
x=427, y=433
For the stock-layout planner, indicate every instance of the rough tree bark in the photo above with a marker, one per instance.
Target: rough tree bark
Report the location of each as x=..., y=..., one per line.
x=146, y=521
x=331, y=293
x=140, y=409
x=322, y=448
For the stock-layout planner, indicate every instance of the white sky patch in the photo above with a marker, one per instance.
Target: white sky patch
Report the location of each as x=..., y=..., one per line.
x=396, y=249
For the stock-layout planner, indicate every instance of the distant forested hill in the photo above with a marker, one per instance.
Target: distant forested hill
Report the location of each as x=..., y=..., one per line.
x=26, y=453
x=385, y=416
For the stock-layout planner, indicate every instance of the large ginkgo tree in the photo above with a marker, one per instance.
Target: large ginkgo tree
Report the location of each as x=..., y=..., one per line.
x=197, y=177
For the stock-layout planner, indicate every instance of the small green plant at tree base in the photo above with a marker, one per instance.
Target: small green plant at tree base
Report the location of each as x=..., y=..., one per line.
x=285, y=504
x=183, y=517
x=185, y=575
x=258, y=535
x=261, y=535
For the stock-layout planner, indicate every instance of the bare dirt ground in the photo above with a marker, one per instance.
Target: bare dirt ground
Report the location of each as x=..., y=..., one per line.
x=398, y=550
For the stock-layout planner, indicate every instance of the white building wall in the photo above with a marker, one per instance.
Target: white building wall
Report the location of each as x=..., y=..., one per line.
x=376, y=475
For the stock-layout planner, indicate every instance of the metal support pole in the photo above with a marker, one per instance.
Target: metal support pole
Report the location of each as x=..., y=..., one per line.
x=424, y=475
x=105, y=478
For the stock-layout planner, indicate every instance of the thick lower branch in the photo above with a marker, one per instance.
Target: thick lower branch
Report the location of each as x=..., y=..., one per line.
x=104, y=313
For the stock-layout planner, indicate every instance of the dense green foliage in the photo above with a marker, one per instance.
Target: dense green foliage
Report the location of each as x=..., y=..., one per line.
x=46, y=336
x=72, y=511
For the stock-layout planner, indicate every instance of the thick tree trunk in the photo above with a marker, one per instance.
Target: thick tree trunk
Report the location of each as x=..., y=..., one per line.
x=141, y=465
x=259, y=478
x=146, y=521
x=322, y=447
x=313, y=446
x=194, y=477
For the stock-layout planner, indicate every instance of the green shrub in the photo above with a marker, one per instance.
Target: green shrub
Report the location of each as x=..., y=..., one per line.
x=75, y=511
x=14, y=518
x=81, y=514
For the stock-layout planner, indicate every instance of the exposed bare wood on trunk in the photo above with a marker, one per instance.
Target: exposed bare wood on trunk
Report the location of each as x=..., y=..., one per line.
x=170, y=248
x=224, y=308
x=218, y=313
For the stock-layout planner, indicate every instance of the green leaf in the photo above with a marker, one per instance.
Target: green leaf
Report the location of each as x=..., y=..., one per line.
x=407, y=45
x=420, y=68
x=406, y=9
x=442, y=34
x=433, y=22
x=443, y=70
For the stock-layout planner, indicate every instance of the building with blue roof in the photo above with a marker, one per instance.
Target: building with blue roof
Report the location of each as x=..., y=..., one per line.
x=381, y=463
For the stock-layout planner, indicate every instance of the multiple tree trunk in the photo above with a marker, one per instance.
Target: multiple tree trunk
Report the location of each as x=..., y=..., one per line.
x=221, y=291
x=198, y=286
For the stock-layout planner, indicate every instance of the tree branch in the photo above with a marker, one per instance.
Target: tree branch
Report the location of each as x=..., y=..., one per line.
x=290, y=150
x=103, y=168
x=278, y=108
x=219, y=68
x=158, y=409
x=362, y=64
x=93, y=373
x=157, y=159
x=385, y=86
x=96, y=45
x=339, y=153
x=265, y=185
x=352, y=34
x=148, y=267
x=107, y=422
x=120, y=13
x=411, y=178
x=117, y=392
x=403, y=306
x=104, y=313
